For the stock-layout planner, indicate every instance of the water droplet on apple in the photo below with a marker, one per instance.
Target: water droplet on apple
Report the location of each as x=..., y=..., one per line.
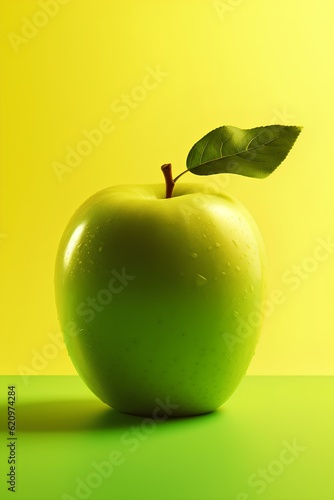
x=238, y=268
x=235, y=314
x=100, y=248
x=193, y=255
x=222, y=273
x=235, y=244
x=209, y=247
x=217, y=245
x=200, y=280
x=204, y=235
x=228, y=264
x=251, y=288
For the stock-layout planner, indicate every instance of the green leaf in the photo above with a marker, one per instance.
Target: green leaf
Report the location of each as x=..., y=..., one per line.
x=254, y=152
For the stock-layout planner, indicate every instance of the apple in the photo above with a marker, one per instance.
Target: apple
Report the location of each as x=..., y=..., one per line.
x=157, y=288
x=158, y=291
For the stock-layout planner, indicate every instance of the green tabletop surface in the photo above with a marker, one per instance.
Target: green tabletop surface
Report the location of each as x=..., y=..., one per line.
x=273, y=440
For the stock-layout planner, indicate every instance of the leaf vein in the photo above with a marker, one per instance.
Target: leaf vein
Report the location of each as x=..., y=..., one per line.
x=206, y=145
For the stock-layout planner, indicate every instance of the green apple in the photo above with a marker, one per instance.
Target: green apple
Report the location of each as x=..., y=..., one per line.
x=157, y=288
x=158, y=295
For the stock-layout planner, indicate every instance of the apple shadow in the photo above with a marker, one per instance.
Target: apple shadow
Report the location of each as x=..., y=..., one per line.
x=80, y=415
x=68, y=416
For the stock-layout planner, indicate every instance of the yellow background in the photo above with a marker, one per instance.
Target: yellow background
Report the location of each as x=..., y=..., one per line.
x=244, y=63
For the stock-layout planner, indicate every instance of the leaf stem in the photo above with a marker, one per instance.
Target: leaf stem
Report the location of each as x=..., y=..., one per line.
x=178, y=176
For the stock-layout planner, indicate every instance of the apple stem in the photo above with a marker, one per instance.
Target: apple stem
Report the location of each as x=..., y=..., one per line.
x=170, y=182
x=167, y=171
